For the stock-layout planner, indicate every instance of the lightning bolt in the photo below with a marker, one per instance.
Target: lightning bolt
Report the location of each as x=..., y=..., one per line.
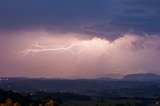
x=35, y=49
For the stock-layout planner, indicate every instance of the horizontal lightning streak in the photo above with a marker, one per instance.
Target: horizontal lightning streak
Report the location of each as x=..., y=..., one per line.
x=34, y=49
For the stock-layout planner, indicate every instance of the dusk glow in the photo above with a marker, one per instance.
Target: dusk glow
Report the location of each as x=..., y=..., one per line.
x=39, y=54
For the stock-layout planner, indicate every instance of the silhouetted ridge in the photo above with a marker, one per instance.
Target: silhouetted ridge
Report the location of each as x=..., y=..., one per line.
x=142, y=77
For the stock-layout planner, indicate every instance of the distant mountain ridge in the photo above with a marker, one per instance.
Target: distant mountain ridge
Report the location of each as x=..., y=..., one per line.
x=149, y=77
x=107, y=79
x=130, y=77
x=141, y=77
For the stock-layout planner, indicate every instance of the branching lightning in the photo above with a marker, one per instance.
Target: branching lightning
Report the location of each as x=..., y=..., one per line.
x=35, y=49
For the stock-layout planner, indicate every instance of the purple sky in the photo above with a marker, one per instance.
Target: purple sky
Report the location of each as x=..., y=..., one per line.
x=79, y=38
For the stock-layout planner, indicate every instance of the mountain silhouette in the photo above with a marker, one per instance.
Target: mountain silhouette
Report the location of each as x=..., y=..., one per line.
x=142, y=77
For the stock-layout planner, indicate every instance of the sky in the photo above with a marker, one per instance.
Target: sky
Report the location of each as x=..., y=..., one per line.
x=79, y=38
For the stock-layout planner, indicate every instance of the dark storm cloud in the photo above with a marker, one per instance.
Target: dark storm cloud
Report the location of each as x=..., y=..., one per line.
x=106, y=18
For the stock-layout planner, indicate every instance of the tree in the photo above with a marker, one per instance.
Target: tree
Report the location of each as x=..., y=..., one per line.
x=16, y=104
x=50, y=103
x=8, y=102
x=40, y=105
x=32, y=104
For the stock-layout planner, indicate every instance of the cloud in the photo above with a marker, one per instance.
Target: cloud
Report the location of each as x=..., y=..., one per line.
x=106, y=18
x=127, y=54
x=122, y=35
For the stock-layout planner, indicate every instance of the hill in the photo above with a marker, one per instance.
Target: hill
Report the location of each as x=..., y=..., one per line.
x=142, y=77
